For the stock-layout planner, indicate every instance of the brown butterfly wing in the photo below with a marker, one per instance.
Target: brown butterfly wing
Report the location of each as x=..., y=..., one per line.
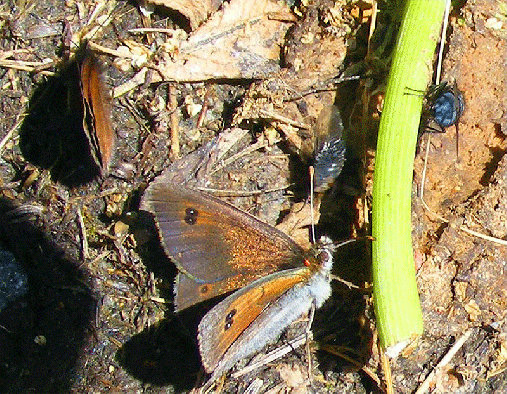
x=216, y=247
x=227, y=321
x=97, y=118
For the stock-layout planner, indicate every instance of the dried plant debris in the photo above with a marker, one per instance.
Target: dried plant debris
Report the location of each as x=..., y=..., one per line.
x=241, y=41
x=294, y=98
x=196, y=11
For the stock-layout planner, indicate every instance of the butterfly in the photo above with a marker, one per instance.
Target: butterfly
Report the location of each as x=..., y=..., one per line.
x=217, y=249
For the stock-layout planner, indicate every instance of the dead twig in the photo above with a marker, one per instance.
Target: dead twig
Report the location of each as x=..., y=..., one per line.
x=175, y=130
x=386, y=367
x=424, y=387
x=274, y=355
x=465, y=229
x=241, y=193
x=132, y=83
x=84, y=237
x=11, y=132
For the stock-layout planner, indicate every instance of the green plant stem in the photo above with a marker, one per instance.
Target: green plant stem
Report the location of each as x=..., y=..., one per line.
x=397, y=307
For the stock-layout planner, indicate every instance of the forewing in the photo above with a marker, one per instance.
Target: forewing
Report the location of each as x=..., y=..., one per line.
x=217, y=247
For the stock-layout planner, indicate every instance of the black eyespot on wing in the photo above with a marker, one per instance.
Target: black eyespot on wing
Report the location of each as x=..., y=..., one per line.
x=204, y=289
x=191, y=216
x=229, y=319
x=231, y=314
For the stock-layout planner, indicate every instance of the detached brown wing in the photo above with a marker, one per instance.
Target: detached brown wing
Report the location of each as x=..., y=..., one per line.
x=217, y=247
x=97, y=118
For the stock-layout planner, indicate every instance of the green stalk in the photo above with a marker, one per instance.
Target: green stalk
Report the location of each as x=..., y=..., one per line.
x=397, y=307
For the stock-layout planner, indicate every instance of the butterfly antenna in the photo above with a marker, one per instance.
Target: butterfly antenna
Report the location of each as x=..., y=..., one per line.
x=312, y=217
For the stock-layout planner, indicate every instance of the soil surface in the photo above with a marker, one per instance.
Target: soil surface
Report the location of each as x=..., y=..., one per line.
x=98, y=312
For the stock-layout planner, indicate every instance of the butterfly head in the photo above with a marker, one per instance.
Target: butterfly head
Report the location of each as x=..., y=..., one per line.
x=321, y=256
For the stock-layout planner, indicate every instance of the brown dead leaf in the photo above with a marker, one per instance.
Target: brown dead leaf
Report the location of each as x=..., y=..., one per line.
x=240, y=41
x=295, y=378
x=196, y=11
x=297, y=223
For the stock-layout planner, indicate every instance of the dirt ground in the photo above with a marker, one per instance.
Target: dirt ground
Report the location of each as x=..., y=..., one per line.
x=98, y=314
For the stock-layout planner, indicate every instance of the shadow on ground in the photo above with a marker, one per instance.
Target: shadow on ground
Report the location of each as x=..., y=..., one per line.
x=41, y=333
